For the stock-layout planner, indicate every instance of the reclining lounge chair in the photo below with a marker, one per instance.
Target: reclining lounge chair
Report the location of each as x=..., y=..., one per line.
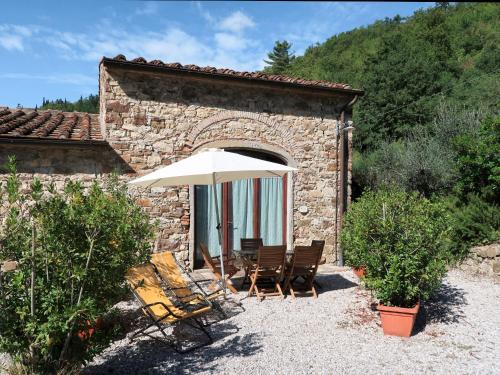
x=177, y=279
x=166, y=309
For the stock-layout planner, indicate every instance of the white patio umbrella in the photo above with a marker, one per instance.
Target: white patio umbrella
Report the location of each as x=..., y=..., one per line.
x=210, y=167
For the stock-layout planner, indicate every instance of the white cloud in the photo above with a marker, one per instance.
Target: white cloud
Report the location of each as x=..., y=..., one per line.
x=12, y=36
x=12, y=42
x=236, y=22
x=230, y=41
x=222, y=48
x=73, y=79
x=205, y=14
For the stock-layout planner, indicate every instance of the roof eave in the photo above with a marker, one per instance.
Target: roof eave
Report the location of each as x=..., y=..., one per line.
x=13, y=139
x=212, y=75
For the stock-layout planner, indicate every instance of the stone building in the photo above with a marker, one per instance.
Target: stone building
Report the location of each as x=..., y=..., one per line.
x=153, y=114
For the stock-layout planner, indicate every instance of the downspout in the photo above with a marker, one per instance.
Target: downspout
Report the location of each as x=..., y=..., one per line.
x=340, y=186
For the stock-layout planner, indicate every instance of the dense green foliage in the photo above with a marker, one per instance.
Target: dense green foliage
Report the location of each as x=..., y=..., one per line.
x=428, y=121
x=475, y=222
x=402, y=240
x=78, y=244
x=88, y=104
x=479, y=161
x=425, y=160
x=280, y=58
x=408, y=66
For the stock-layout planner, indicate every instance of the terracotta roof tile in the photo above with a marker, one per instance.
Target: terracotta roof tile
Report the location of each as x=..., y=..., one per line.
x=255, y=76
x=49, y=124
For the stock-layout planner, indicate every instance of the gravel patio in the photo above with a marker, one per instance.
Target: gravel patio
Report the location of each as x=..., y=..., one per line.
x=457, y=333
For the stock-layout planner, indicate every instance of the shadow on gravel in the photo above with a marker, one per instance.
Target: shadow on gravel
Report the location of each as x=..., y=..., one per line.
x=445, y=307
x=147, y=356
x=333, y=282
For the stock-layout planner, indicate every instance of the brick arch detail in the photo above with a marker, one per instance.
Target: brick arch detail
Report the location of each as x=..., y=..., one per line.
x=286, y=134
x=257, y=145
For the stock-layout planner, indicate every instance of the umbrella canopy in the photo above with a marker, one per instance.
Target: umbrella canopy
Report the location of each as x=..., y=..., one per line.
x=203, y=167
x=210, y=167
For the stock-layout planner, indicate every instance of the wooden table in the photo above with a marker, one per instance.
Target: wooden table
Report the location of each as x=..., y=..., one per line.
x=249, y=261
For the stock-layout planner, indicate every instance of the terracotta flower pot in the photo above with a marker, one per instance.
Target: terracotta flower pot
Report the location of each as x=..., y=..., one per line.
x=88, y=332
x=398, y=321
x=360, y=271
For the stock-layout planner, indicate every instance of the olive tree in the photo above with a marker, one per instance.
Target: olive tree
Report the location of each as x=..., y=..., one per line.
x=72, y=249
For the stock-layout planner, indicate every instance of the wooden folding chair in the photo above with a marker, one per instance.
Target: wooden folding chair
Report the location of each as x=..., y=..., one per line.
x=304, y=263
x=270, y=266
x=319, y=243
x=165, y=309
x=213, y=264
x=178, y=280
x=249, y=248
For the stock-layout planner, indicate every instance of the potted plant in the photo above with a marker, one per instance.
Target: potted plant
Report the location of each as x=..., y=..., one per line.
x=354, y=254
x=359, y=271
x=404, y=239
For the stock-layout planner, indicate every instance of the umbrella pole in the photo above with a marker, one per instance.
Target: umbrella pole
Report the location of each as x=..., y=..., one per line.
x=214, y=188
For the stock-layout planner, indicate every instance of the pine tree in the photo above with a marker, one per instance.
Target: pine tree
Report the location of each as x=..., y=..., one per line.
x=280, y=58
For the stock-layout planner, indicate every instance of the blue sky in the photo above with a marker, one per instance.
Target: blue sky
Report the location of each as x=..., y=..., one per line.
x=52, y=48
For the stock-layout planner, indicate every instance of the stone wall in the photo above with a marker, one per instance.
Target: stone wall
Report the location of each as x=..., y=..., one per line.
x=56, y=162
x=484, y=260
x=62, y=160
x=153, y=119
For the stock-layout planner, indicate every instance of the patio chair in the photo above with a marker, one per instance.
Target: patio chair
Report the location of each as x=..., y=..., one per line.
x=165, y=309
x=213, y=264
x=304, y=263
x=249, y=248
x=320, y=243
x=174, y=276
x=270, y=266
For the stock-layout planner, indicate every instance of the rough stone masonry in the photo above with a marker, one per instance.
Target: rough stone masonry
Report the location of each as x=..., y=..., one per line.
x=152, y=115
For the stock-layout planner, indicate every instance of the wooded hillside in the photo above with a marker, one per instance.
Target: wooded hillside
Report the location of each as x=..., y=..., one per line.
x=409, y=66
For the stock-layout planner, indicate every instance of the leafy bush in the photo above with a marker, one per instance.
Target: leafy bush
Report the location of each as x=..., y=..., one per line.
x=426, y=160
x=479, y=161
x=475, y=222
x=77, y=244
x=402, y=240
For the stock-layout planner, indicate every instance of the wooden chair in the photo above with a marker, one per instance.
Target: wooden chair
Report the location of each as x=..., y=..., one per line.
x=165, y=309
x=304, y=263
x=320, y=243
x=270, y=266
x=213, y=264
x=177, y=279
x=249, y=248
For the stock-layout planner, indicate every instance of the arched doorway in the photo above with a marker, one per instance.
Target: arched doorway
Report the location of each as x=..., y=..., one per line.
x=251, y=208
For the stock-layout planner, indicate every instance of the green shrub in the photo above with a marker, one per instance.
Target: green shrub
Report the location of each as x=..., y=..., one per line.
x=425, y=160
x=77, y=244
x=475, y=222
x=479, y=161
x=402, y=240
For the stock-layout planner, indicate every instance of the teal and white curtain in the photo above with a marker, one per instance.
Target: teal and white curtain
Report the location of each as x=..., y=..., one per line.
x=242, y=209
x=206, y=219
x=271, y=211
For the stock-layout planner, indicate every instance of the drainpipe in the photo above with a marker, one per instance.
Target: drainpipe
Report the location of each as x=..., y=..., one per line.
x=339, y=202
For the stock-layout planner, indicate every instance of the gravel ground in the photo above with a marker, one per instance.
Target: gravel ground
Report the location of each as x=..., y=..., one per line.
x=456, y=333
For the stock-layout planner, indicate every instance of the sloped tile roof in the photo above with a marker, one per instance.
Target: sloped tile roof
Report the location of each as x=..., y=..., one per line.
x=49, y=124
x=222, y=72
